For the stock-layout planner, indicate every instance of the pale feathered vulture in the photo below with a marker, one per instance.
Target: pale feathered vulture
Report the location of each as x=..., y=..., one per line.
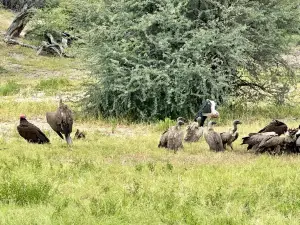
x=230, y=136
x=61, y=121
x=194, y=131
x=213, y=138
x=275, y=126
x=30, y=132
x=172, y=138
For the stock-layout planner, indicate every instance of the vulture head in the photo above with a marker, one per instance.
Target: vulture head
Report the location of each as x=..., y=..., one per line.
x=236, y=122
x=211, y=124
x=181, y=121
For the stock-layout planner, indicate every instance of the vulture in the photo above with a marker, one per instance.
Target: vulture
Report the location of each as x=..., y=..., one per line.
x=254, y=139
x=272, y=142
x=61, y=121
x=275, y=126
x=194, y=131
x=79, y=134
x=30, y=132
x=212, y=138
x=172, y=138
x=230, y=136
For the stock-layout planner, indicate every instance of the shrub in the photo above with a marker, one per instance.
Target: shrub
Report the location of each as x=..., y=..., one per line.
x=155, y=59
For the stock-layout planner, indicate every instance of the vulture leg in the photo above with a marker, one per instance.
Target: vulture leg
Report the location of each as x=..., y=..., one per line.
x=230, y=146
x=68, y=139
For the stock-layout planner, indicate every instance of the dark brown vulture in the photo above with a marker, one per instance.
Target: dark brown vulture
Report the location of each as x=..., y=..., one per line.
x=30, y=132
x=61, y=121
x=254, y=139
x=79, y=134
x=212, y=138
x=275, y=126
x=230, y=136
x=172, y=138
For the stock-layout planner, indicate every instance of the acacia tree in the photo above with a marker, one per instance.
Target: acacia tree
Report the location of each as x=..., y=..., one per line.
x=158, y=58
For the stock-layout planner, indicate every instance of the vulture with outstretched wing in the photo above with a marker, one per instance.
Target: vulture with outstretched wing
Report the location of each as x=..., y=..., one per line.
x=275, y=126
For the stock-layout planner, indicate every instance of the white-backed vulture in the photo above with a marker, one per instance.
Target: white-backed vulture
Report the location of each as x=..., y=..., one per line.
x=173, y=137
x=194, y=131
x=213, y=138
x=230, y=136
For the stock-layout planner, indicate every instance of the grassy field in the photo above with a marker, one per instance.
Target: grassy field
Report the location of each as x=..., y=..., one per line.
x=118, y=175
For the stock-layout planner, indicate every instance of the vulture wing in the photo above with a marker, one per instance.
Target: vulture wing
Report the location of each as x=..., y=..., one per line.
x=271, y=142
x=54, y=121
x=276, y=126
x=225, y=136
x=66, y=118
x=193, y=132
x=163, y=142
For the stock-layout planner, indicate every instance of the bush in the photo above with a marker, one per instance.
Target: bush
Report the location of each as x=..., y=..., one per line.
x=155, y=59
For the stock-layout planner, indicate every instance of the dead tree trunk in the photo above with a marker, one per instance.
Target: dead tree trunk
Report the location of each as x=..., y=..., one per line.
x=19, y=22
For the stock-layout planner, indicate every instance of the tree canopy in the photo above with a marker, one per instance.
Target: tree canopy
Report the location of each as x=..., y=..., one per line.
x=153, y=59
x=159, y=58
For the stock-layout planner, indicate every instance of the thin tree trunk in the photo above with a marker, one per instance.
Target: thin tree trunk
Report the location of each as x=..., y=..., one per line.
x=19, y=23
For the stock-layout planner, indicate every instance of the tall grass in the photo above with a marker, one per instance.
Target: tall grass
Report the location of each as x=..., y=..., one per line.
x=53, y=84
x=9, y=88
x=113, y=179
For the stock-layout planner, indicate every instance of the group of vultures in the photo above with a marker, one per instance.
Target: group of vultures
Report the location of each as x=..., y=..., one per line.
x=61, y=121
x=275, y=138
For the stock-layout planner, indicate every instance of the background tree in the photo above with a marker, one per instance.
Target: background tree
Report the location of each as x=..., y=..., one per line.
x=154, y=59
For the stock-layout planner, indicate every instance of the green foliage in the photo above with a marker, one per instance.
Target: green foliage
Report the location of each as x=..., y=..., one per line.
x=163, y=125
x=156, y=59
x=19, y=4
x=53, y=21
x=72, y=16
x=9, y=88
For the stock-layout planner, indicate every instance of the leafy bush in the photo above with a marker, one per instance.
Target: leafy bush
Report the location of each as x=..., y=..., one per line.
x=155, y=59
x=19, y=4
x=71, y=16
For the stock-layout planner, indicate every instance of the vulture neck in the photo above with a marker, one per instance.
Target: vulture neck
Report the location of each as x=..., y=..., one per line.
x=23, y=120
x=210, y=127
x=234, y=127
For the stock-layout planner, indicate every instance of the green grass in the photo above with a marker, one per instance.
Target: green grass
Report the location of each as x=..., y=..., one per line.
x=118, y=175
x=9, y=88
x=10, y=109
x=53, y=84
x=113, y=179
